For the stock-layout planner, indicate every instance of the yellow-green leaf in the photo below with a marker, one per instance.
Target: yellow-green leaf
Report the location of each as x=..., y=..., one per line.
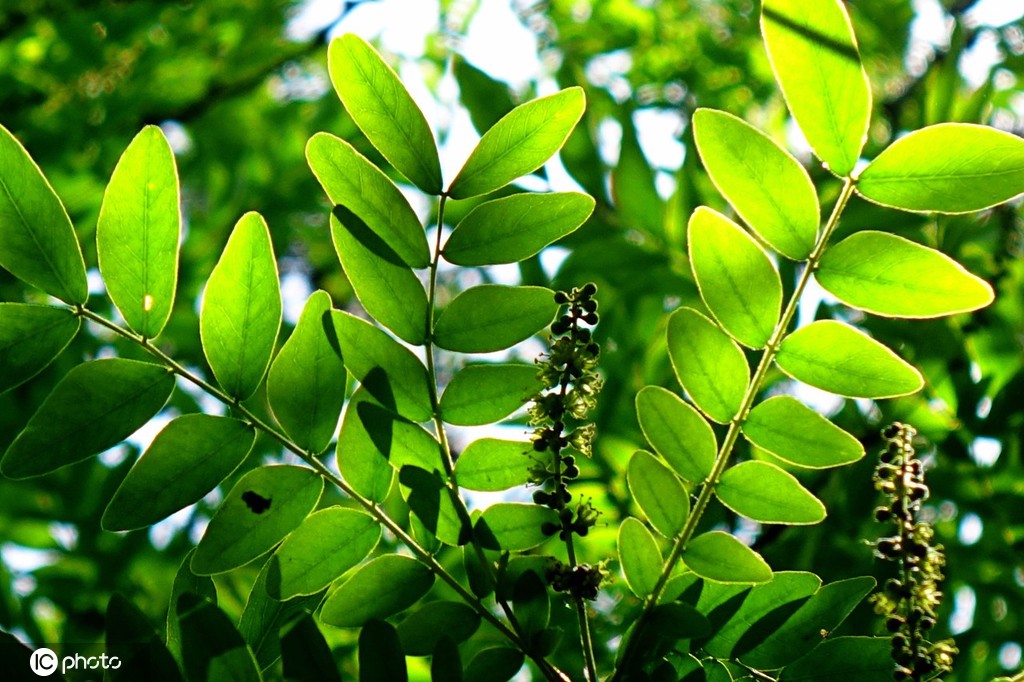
x=708, y=364
x=763, y=492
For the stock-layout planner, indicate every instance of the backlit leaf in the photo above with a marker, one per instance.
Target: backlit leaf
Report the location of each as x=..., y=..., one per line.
x=241, y=312
x=212, y=649
x=263, y=618
x=305, y=654
x=844, y=659
x=382, y=108
x=837, y=358
x=483, y=394
x=360, y=461
x=708, y=364
x=131, y=639
x=720, y=557
x=639, y=556
x=383, y=587
x=381, y=658
x=511, y=526
x=889, y=275
x=185, y=581
x=769, y=189
x=431, y=501
x=31, y=336
x=658, y=493
x=493, y=317
x=530, y=602
x=186, y=460
x=519, y=143
x=797, y=434
x=423, y=628
x=265, y=505
x=677, y=432
x=494, y=664
x=490, y=464
x=138, y=232
x=94, y=407
x=485, y=98
x=763, y=492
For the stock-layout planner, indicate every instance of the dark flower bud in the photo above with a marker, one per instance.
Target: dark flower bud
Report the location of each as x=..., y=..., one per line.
x=589, y=289
x=561, y=298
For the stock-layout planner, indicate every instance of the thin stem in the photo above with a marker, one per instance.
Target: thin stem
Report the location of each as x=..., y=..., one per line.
x=735, y=426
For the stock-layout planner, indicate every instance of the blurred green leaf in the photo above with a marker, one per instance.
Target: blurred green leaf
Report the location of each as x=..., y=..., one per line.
x=494, y=664
x=445, y=664
x=133, y=641
x=844, y=659
x=305, y=654
x=423, y=628
x=639, y=556
x=530, y=602
x=485, y=98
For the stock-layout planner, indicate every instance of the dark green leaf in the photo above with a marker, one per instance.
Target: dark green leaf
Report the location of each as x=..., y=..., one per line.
x=264, y=506
x=186, y=460
x=483, y=394
x=837, y=358
x=37, y=241
x=485, y=98
x=382, y=108
x=350, y=180
x=431, y=501
x=94, y=407
x=264, y=617
x=212, y=649
x=31, y=336
x=639, y=556
x=241, y=312
x=677, y=432
x=445, y=664
x=530, y=602
x=489, y=464
x=383, y=587
x=185, y=581
x=720, y=557
x=361, y=462
x=632, y=183
x=658, y=493
x=763, y=492
x=678, y=621
x=138, y=231
x=509, y=526
x=708, y=364
x=132, y=639
x=492, y=317
x=306, y=383
x=519, y=143
x=381, y=658
x=305, y=654
x=421, y=630
x=844, y=659
x=495, y=664
x=797, y=434
x=512, y=229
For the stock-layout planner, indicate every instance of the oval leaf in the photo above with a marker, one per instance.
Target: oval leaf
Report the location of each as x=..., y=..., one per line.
x=350, y=180
x=381, y=658
x=484, y=394
x=306, y=383
x=530, y=602
x=511, y=527
x=140, y=651
x=797, y=434
x=138, y=231
x=386, y=287
x=658, y=493
x=738, y=282
x=677, y=432
x=769, y=189
x=839, y=359
x=888, y=275
x=186, y=460
x=383, y=587
x=327, y=544
x=263, y=618
x=264, y=506
x=241, y=312
x=519, y=143
x=31, y=336
x=949, y=168
x=385, y=368
x=445, y=663
x=721, y=558
x=94, y=407
x=493, y=317
x=763, y=492
x=639, y=556
x=708, y=364
x=512, y=229
x=489, y=464
x=813, y=53
x=211, y=647
x=361, y=463
x=432, y=502
x=305, y=654
x=494, y=664
x=424, y=627
x=382, y=108
x=37, y=241
x=844, y=659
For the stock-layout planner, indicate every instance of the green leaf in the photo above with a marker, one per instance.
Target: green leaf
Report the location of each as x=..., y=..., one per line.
x=844, y=659
x=264, y=506
x=445, y=664
x=484, y=394
x=837, y=358
x=813, y=53
x=37, y=241
x=241, y=312
x=263, y=618
x=306, y=383
x=133, y=641
x=350, y=180
x=639, y=556
x=801, y=632
x=138, y=231
x=632, y=183
x=382, y=108
x=763, y=492
x=738, y=282
x=797, y=434
x=328, y=543
x=485, y=98
x=383, y=587
x=949, y=168
x=888, y=275
x=677, y=621
x=677, y=432
x=385, y=368
x=769, y=189
x=493, y=317
x=530, y=602
x=494, y=664
x=431, y=501
x=423, y=628
x=185, y=461
x=721, y=558
x=185, y=581
x=305, y=654
x=381, y=658
x=94, y=407
x=489, y=464
x=658, y=493
x=31, y=336
x=519, y=143
x=212, y=649
x=508, y=526
x=708, y=364
x=512, y=229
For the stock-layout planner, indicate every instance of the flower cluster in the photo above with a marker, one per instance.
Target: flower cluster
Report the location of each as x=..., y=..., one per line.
x=909, y=602
x=580, y=581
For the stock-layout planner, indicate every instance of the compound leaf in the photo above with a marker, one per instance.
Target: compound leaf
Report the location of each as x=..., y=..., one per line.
x=763, y=492
x=677, y=432
x=509, y=526
x=721, y=558
x=797, y=434
x=658, y=493
x=31, y=336
x=493, y=317
x=639, y=556
x=489, y=464
x=381, y=588
x=708, y=364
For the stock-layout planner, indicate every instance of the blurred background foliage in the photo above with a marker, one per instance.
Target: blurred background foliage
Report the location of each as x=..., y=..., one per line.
x=238, y=87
